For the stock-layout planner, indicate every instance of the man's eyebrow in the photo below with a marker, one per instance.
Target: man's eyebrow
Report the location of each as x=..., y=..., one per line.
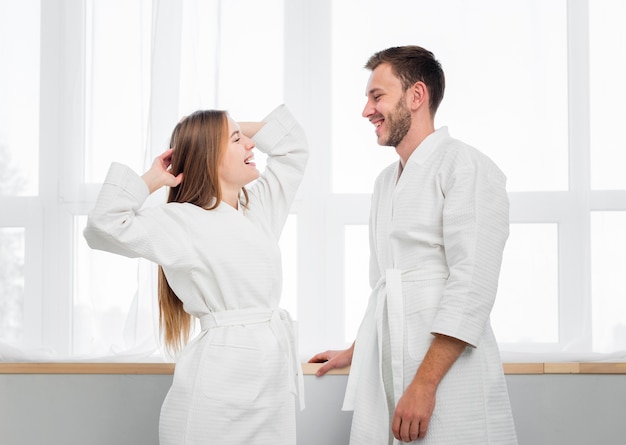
x=374, y=90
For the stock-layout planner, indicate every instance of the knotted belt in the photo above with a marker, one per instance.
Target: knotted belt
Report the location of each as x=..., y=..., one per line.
x=283, y=328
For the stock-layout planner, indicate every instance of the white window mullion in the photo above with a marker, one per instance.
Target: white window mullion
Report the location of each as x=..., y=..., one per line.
x=61, y=143
x=574, y=233
x=33, y=267
x=608, y=200
x=308, y=93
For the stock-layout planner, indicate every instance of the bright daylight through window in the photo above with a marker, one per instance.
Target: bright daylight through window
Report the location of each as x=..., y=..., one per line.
x=535, y=85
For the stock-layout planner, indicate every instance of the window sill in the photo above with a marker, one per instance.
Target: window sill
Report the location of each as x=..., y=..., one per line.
x=308, y=368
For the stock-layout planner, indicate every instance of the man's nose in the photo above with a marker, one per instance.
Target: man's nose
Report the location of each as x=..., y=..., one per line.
x=368, y=110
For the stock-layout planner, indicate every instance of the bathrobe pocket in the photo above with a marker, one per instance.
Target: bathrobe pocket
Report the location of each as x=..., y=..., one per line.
x=421, y=302
x=231, y=373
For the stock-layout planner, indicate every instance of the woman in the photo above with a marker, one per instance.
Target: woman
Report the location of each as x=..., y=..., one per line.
x=217, y=246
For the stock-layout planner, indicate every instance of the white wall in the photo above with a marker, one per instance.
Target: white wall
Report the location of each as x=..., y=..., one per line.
x=124, y=409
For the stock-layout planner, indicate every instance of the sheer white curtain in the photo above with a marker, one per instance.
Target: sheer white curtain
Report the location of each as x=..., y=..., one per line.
x=172, y=52
x=196, y=58
x=131, y=56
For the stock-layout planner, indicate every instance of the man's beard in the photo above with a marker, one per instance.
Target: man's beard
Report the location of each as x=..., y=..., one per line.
x=398, y=124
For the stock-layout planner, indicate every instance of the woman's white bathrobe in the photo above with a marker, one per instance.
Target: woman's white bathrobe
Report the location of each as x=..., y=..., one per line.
x=235, y=382
x=437, y=232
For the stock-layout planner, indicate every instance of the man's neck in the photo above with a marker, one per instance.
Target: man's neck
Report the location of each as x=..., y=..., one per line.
x=411, y=142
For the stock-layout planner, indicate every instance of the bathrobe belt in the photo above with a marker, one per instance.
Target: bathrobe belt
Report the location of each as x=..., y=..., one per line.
x=370, y=336
x=281, y=324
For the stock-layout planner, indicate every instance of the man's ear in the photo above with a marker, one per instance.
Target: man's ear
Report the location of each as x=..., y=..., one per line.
x=419, y=95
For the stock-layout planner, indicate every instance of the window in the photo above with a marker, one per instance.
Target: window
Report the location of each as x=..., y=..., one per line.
x=12, y=283
x=608, y=261
x=535, y=85
x=19, y=98
x=607, y=94
x=20, y=201
x=117, y=84
x=531, y=251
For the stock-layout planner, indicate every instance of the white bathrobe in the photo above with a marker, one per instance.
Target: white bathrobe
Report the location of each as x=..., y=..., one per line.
x=235, y=382
x=437, y=232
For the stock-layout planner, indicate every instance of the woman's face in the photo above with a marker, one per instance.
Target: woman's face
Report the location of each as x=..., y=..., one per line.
x=237, y=167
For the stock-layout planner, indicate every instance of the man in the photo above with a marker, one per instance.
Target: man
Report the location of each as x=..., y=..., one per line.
x=425, y=363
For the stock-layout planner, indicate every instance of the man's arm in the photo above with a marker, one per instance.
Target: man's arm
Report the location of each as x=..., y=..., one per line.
x=415, y=407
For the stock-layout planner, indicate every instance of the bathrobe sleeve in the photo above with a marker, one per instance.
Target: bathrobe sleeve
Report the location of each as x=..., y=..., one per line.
x=284, y=141
x=119, y=225
x=475, y=230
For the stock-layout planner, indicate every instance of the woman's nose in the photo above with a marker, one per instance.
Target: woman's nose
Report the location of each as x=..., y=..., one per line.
x=249, y=143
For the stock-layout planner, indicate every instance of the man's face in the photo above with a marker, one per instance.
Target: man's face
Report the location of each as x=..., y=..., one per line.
x=386, y=106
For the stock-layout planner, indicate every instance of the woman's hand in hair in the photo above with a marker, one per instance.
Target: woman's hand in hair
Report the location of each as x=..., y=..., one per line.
x=160, y=175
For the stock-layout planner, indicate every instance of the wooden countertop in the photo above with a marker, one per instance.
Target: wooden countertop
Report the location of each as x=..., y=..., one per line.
x=308, y=368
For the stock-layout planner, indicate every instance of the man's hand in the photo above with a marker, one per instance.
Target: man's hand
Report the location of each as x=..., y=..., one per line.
x=332, y=360
x=413, y=412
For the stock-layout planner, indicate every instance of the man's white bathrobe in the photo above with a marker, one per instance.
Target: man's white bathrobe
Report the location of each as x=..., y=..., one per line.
x=437, y=232
x=235, y=382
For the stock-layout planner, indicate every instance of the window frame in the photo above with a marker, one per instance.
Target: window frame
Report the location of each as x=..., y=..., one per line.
x=48, y=219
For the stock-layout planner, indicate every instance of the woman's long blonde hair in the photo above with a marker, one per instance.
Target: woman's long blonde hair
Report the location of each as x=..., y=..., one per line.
x=198, y=141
